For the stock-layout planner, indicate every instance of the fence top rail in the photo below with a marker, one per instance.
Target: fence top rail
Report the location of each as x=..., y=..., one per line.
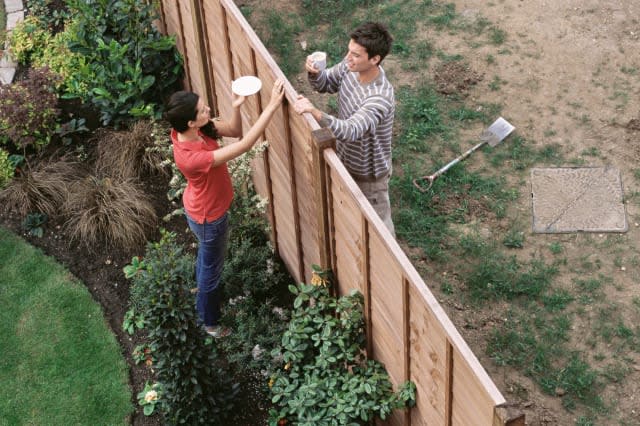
x=254, y=41
x=412, y=275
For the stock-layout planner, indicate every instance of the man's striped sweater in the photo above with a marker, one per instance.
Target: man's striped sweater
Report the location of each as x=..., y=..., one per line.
x=364, y=124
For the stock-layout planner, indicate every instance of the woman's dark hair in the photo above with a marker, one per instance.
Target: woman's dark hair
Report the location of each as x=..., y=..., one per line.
x=374, y=37
x=182, y=108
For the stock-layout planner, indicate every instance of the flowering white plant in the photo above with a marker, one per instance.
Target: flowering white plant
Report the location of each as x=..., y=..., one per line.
x=149, y=397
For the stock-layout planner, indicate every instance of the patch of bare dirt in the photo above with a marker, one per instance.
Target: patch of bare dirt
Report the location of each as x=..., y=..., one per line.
x=455, y=78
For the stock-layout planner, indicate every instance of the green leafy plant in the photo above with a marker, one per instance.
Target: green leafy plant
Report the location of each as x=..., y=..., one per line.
x=132, y=321
x=7, y=168
x=130, y=66
x=135, y=267
x=67, y=131
x=195, y=388
x=34, y=223
x=326, y=378
x=143, y=353
x=53, y=13
x=150, y=397
x=29, y=39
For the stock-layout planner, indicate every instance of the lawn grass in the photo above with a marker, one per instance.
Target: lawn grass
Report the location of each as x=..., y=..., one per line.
x=3, y=24
x=60, y=363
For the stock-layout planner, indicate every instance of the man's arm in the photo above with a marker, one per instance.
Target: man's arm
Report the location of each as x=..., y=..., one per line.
x=328, y=80
x=364, y=120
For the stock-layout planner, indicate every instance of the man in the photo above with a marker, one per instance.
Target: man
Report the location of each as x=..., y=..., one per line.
x=366, y=108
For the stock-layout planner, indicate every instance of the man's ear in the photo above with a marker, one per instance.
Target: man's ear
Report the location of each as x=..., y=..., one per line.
x=375, y=60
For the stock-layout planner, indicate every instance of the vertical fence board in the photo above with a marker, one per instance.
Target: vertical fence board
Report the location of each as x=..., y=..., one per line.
x=386, y=318
x=428, y=359
x=221, y=70
x=470, y=404
x=192, y=48
x=347, y=223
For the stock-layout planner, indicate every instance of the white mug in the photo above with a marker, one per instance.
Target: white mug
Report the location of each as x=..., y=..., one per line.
x=319, y=60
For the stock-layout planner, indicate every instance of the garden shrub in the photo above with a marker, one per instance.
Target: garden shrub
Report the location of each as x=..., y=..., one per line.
x=28, y=39
x=28, y=110
x=32, y=44
x=195, y=389
x=130, y=67
x=253, y=276
x=255, y=283
x=7, y=168
x=326, y=378
x=52, y=13
x=116, y=212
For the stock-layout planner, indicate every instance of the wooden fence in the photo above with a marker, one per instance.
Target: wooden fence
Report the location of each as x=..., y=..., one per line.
x=319, y=216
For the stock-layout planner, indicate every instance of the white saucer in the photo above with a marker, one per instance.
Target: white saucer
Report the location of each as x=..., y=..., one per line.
x=246, y=86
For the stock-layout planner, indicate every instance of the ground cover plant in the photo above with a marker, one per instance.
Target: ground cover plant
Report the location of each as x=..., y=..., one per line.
x=326, y=378
x=60, y=361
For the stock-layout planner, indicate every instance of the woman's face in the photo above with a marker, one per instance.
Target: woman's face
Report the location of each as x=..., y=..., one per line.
x=202, y=114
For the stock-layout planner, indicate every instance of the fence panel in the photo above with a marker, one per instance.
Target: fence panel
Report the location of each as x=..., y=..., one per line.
x=319, y=215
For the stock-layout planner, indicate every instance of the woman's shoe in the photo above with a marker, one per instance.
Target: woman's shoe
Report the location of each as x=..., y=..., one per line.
x=218, y=331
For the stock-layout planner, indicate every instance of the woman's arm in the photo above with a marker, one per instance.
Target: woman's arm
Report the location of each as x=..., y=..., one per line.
x=233, y=127
x=231, y=151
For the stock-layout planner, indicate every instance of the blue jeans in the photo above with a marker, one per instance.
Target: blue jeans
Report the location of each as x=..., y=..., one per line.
x=212, y=246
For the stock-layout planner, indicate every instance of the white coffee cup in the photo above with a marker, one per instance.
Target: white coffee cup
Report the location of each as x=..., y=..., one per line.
x=319, y=60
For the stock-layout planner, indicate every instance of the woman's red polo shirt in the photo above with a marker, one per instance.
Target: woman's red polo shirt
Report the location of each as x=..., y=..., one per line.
x=209, y=192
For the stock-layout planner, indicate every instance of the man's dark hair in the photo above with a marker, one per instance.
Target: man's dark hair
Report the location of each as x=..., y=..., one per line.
x=374, y=37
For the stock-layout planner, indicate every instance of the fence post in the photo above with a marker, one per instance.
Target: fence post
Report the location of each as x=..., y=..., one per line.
x=507, y=415
x=322, y=139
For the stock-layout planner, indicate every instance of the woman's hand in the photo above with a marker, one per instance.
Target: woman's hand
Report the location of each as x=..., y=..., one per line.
x=237, y=100
x=277, y=93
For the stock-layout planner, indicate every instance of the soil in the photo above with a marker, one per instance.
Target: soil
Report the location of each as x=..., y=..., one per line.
x=568, y=76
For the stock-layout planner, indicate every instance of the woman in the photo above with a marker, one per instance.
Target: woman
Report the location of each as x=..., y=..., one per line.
x=209, y=192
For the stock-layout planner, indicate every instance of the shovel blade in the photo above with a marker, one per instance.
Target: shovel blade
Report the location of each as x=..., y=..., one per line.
x=495, y=133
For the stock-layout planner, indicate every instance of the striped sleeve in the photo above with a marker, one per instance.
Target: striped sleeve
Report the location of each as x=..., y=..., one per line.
x=365, y=119
x=328, y=80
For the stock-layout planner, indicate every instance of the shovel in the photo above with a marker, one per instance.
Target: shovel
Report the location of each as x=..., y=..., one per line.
x=493, y=135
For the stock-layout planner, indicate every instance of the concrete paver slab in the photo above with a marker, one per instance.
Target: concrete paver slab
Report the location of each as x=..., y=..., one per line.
x=574, y=199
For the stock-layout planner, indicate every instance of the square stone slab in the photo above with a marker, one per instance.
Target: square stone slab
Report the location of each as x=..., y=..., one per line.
x=577, y=199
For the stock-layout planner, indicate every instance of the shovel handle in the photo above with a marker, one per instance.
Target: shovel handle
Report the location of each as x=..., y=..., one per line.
x=433, y=177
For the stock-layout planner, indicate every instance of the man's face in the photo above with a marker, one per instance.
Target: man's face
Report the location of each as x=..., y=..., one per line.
x=358, y=59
